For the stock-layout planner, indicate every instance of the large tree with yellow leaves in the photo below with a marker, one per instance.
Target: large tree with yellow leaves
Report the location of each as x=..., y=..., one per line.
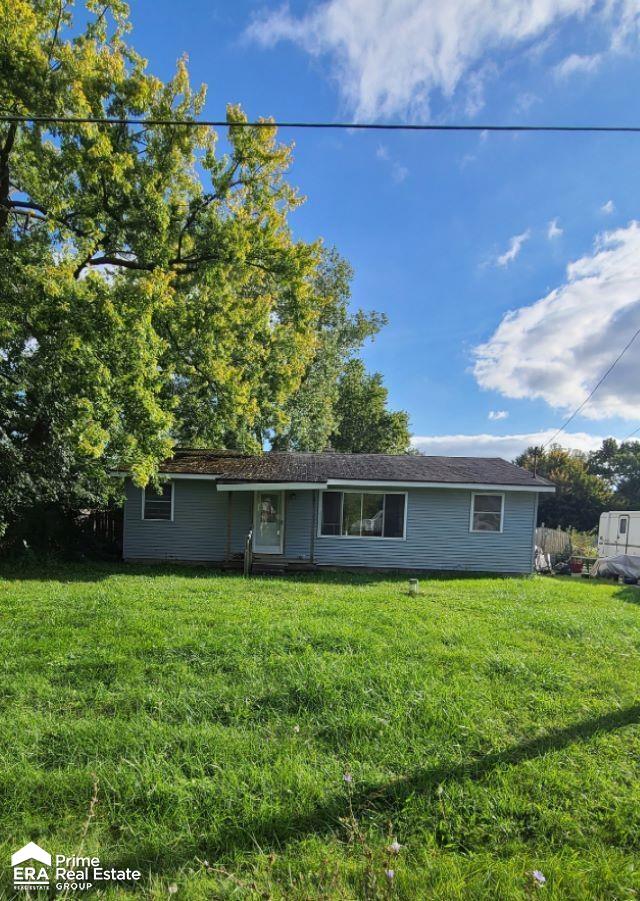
x=151, y=291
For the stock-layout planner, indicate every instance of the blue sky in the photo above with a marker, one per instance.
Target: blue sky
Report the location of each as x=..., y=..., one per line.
x=499, y=321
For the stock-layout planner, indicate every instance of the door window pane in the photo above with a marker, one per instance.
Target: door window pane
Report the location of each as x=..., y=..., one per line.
x=268, y=520
x=394, y=516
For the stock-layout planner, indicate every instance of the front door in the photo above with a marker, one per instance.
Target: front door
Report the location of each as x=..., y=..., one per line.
x=268, y=523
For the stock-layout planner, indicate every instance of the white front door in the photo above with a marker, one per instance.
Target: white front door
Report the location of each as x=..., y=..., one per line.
x=268, y=522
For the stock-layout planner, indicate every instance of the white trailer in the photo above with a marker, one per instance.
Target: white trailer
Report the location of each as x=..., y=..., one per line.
x=619, y=533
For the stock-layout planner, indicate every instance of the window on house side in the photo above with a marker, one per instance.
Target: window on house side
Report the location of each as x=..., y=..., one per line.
x=157, y=504
x=486, y=512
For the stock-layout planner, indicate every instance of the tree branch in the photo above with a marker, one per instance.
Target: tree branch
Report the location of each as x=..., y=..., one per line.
x=11, y=205
x=4, y=174
x=108, y=260
x=10, y=378
x=28, y=214
x=177, y=349
x=56, y=31
x=180, y=265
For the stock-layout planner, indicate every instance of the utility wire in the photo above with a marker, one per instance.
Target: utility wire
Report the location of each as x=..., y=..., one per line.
x=630, y=435
x=594, y=389
x=356, y=126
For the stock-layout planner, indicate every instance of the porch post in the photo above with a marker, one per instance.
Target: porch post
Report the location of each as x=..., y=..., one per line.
x=312, y=544
x=229, y=504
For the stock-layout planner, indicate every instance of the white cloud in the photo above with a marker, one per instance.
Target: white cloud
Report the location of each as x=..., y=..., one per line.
x=390, y=57
x=398, y=171
x=557, y=348
x=608, y=207
x=506, y=446
x=554, y=230
x=496, y=415
x=575, y=63
x=525, y=101
x=515, y=246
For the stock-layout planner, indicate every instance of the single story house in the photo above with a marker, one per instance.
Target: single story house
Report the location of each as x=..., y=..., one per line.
x=300, y=510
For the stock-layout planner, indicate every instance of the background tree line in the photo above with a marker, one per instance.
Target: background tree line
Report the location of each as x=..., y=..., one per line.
x=586, y=483
x=152, y=293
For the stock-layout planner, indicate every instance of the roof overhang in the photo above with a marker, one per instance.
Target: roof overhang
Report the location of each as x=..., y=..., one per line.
x=344, y=483
x=203, y=477
x=475, y=486
x=369, y=483
x=271, y=486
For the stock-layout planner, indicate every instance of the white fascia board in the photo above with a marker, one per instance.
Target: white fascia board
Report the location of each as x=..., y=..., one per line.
x=171, y=476
x=270, y=486
x=473, y=486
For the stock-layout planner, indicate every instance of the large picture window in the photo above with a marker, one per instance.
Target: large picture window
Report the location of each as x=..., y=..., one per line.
x=158, y=504
x=486, y=512
x=362, y=514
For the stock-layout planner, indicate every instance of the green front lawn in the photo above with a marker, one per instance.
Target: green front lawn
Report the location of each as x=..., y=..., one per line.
x=490, y=726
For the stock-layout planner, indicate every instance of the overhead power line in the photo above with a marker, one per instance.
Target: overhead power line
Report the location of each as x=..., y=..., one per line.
x=355, y=126
x=630, y=435
x=594, y=389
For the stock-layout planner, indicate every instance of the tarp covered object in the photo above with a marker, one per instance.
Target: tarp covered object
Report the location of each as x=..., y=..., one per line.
x=624, y=565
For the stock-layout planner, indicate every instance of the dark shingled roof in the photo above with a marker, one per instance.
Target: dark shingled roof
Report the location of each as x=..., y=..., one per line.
x=230, y=466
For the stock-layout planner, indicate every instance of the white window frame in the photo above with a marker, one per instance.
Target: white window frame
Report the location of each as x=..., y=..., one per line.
x=150, y=518
x=474, y=495
x=343, y=491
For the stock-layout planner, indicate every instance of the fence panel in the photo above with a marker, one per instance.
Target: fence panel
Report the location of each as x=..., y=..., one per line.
x=104, y=528
x=553, y=541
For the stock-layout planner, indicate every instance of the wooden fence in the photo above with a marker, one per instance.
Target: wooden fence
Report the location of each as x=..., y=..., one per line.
x=103, y=528
x=555, y=542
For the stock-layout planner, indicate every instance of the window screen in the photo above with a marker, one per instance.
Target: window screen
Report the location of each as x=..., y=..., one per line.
x=394, y=516
x=486, y=514
x=372, y=514
x=351, y=513
x=157, y=504
x=331, y=516
x=623, y=526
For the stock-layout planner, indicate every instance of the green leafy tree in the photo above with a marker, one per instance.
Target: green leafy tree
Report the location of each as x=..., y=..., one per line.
x=580, y=496
x=619, y=465
x=151, y=290
x=311, y=411
x=365, y=425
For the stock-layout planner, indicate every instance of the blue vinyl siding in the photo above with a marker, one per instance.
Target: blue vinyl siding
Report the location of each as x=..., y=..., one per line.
x=437, y=535
x=298, y=524
x=199, y=528
x=241, y=518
